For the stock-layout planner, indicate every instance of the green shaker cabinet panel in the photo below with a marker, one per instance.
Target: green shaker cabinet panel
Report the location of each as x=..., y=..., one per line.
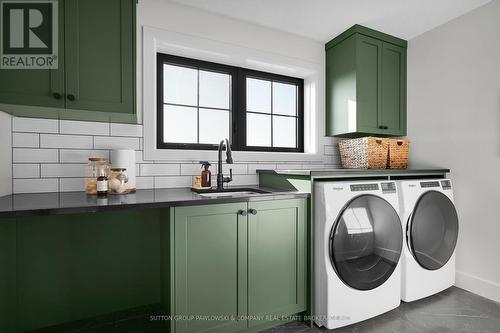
x=95, y=79
x=276, y=259
x=100, y=55
x=36, y=87
x=394, y=89
x=210, y=265
x=240, y=265
x=8, y=287
x=368, y=79
x=365, y=84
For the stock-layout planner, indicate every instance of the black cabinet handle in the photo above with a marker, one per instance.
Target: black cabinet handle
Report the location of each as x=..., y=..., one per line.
x=57, y=95
x=71, y=97
x=252, y=211
x=383, y=127
x=242, y=212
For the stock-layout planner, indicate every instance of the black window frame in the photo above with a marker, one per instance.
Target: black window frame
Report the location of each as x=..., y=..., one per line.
x=237, y=107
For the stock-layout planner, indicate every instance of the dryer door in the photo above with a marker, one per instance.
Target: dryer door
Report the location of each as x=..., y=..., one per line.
x=366, y=242
x=432, y=230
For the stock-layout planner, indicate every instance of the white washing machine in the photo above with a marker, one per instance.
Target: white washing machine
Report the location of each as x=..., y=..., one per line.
x=358, y=242
x=430, y=224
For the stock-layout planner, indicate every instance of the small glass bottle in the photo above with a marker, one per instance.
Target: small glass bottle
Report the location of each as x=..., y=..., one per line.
x=102, y=183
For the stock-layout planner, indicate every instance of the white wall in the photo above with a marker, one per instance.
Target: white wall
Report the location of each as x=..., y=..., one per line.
x=454, y=121
x=5, y=154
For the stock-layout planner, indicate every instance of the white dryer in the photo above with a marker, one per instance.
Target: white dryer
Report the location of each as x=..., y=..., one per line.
x=358, y=242
x=430, y=224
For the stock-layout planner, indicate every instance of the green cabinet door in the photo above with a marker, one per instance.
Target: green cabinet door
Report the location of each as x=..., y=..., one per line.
x=100, y=55
x=368, y=83
x=210, y=268
x=276, y=260
x=8, y=288
x=36, y=87
x=393, y=108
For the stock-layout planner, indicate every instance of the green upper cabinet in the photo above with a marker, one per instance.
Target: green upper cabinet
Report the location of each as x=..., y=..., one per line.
x=365, y=84
x=36, y=87
x=100, y=55
x=95, y=79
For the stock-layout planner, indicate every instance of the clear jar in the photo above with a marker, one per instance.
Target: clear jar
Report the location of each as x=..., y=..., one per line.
x=117, y=181
x=97, y=166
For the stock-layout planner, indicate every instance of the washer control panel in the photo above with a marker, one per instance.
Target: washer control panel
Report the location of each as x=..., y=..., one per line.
x=429, y=184
x=364, y=187
x=389, y=187
x=446, y=184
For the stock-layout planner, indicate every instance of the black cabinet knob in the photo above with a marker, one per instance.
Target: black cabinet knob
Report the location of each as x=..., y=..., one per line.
x=57, y=95
x=383, y=127
x=71, y=97
x=242, y=212
x=252, y=211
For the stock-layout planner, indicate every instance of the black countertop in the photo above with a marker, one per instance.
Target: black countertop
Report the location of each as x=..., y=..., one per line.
x=357, y=172
x=78, y=202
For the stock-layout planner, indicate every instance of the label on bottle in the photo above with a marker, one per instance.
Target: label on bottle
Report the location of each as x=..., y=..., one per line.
x=102, y=186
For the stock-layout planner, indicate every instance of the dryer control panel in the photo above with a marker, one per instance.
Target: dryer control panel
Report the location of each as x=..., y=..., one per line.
x=389, y=187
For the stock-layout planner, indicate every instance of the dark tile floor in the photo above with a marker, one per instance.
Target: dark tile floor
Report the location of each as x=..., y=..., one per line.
x=453, y=310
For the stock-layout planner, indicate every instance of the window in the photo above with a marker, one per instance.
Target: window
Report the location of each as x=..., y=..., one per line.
x=200, y=103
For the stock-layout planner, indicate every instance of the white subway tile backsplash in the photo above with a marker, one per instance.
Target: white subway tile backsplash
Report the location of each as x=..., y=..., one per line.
x=331, y=150
x=126, y=130
x=50, y=155
x=244, y=180
x=35, y=125
x=71, y=184
x=238, y=169
x=65, y=141
x=83, y=127
x=25, y=155
x=159, y=169
x=253, y=167
x=80, y=156
x=25, y=140
x=109, y=142
x=173, y=181
x=36, y=185
x=144, y=182
x=139, y=154
x=62, y=170
x=194, y=169
x=26, y=171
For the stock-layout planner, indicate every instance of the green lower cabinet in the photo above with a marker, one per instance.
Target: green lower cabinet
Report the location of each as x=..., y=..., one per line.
x=210, y=276
x=81, y=266
x=276, y=260
x=8, y=296
x=237, y=271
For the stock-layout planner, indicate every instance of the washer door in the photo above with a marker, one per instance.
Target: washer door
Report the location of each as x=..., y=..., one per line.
x=432, y=230
x=366, y=242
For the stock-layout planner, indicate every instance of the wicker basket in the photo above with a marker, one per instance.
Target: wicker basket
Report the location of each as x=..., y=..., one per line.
x=398, y=153
x=364, y=153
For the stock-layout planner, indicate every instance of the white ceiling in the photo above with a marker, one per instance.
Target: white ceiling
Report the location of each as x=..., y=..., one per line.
x=324, y=19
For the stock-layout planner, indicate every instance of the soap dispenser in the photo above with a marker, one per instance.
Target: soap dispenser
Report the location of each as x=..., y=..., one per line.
x=206, y=175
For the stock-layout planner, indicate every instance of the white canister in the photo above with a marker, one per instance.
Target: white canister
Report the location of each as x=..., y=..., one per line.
x=124, y=158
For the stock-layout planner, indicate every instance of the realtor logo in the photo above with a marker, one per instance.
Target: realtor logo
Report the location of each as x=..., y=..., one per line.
x=28, y=33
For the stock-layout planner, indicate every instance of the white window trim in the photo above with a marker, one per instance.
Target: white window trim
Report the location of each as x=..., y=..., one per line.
x=156, y=40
